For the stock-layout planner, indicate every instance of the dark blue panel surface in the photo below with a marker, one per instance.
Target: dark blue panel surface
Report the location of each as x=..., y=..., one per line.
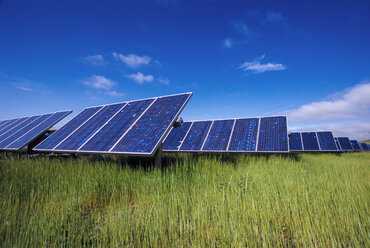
x=53, y=140
x=244, y=136
x=146, y=134
x=295, y=142
x=82, y=134
x=309, y=140
x=114, y=129
x=219, y=136
x=273, y=134
x=24, y=130
x=364, y=146
x=11, y=124
x=326, y=141
x=11, y=128
x=38, y=130
x=345, y=144
x=175, y=137
x=4, y=124
x=196, y=136
x=355, y=145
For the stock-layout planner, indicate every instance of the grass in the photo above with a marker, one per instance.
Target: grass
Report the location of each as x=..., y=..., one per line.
x=311, y=200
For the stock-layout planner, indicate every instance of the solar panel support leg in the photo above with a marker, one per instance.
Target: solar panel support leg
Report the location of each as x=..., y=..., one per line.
x=158, y=158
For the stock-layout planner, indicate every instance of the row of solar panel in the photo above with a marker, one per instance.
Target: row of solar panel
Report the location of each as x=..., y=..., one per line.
x=16, y=133
x=266, y=134
x=322, y=141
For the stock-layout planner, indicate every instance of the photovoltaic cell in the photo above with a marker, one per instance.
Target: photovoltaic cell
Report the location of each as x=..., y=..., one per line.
x=355, y=145
x=175, y=137
x=345, y=144
x=326, y=141
x=273, y=134
x=244, y=136
x=20, y=132
x=196, y=136
x=133, y=128
x=295, y=142
x=310, y=142
x=364, y=146
x=218, y=136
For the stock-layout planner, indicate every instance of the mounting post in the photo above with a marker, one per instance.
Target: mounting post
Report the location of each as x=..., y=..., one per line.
x=158, y=158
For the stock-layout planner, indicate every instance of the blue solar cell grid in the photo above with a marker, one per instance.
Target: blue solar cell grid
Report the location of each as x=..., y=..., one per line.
x=310, y=142
x=196, y=136
x=273, y=134
x=326, y=141
x=20, y=132
x=176, y=137
x=219, y=135
x=295, y=142
x=244, y=136
x=355, y=145
x=135, y=127
x=364, y=146
x=345, y=144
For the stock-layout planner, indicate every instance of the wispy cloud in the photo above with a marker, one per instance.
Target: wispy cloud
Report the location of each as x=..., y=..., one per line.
x=132, y=60
x=257, y=67
x=228, y=43
x=114, y=93
x=97, y=60
x=243, y=29
x=164, y=81
x=140, y=78
x=99, y=82
x=23, y=87
x=354, y=103
x=273, y=16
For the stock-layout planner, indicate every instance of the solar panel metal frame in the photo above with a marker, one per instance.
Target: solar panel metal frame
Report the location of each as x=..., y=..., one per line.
x=317, y=140
x=143, y=154
x=300, y=135
x=68, y=112
x=231, y=134
x=344, y=150
x=355, y=141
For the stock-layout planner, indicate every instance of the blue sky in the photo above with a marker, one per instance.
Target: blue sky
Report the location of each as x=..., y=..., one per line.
x=307, y=59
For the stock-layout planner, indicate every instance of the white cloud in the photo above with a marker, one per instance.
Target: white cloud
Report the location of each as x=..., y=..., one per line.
x=97, y=59
x=257, y=67
x=132, y=60
x=164, y=81
x=348, y=114
x=353, y=104
x=22, y=87
x=99, y=82
x=243, y=29
x=228, y=43
x=114, y=93
x=140, y=78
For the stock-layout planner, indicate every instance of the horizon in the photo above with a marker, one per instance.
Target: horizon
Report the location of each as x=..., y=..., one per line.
x=261, y=58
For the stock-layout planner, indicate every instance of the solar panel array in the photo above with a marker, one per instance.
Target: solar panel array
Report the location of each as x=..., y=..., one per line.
x=312, y=141
x=355, y=145
x=344, y=144
x=265, y=134
x=17, y=133
x=365, y=147
x=134, y=127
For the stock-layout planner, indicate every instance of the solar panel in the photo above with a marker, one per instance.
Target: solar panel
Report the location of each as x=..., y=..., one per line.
x=295, y=142
x=310, y=141
x=345, y=144
x=364, y=146
x=326, y=141
x=17, y=133
x=355, y=145
x=230, y=135
x=133, y=128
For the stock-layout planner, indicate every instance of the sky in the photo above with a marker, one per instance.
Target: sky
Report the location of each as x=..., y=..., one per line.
x=308, y=60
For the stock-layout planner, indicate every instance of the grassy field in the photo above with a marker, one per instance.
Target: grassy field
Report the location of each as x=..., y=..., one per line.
x=309, y=200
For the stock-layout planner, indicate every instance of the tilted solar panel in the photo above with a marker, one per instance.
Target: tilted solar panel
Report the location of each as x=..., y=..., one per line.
x=295, y=142
x=229, y=135
x=326, y=141
x=133, y=128
x=364, y=146
x=310, y=142
x=345, y=144
x=355, y=145
x=17, y=133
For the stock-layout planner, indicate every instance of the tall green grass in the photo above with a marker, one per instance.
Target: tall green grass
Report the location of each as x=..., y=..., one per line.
x=311, y=200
